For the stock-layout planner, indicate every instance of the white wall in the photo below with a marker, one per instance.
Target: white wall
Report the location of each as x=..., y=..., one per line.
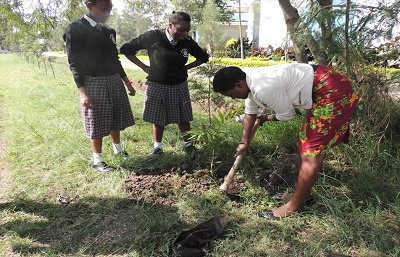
x=232, y=30
x=272, y=24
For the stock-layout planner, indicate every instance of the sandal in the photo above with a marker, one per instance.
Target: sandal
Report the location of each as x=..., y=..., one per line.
x=287, y=196
x=268, y=214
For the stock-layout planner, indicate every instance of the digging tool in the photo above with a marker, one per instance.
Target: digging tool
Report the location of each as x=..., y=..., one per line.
x=231, y=174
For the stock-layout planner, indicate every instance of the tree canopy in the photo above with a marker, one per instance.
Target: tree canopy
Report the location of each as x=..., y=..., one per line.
x=333, y=32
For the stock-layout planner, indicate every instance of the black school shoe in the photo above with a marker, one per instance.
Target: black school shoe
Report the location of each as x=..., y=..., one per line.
x=102, y=167
x=155, y=151
x=190, y=149
x=122, y=154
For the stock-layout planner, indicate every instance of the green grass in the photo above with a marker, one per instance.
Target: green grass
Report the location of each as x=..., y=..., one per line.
x=355, y=212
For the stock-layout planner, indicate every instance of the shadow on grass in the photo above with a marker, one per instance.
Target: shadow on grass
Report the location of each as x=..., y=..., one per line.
x=91, y=226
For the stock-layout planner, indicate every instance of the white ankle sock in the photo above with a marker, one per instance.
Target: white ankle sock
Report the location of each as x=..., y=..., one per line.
x=97, y=158
x=158, y=145
x=117, y=148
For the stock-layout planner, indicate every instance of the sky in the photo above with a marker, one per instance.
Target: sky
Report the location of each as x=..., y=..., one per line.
x=118, y=4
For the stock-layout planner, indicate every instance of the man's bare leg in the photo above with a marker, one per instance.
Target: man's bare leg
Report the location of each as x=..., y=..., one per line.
x=309, y=171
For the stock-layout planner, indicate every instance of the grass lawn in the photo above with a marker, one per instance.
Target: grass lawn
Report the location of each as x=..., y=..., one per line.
x=139, y=209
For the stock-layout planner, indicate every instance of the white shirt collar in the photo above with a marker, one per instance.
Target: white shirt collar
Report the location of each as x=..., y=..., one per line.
x=170, y=38
x=90, y=20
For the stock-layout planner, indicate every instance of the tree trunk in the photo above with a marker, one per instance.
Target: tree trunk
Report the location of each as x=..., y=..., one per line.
x=326, y=31
x=291, y=18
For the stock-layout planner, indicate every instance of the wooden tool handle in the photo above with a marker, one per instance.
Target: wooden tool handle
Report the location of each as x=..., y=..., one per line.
x=231, y=174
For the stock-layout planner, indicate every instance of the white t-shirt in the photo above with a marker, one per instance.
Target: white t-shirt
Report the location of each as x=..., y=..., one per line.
x=280, y=88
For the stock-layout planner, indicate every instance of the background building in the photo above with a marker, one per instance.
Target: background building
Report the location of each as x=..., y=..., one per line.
x=262, y=22
x=232, y=30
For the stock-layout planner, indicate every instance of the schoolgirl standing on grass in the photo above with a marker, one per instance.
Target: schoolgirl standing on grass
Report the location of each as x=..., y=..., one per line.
x=99, y=76
x=167, y=98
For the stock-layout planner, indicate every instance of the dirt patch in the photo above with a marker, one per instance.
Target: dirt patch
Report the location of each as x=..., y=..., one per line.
x=283, y=174
x=167, y=186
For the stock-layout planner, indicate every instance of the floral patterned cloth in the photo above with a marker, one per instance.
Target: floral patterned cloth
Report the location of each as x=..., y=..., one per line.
x=327, y=123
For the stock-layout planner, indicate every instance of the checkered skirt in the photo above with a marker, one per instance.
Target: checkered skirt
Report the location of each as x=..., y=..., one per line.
x=111, y=111
x=166, y=104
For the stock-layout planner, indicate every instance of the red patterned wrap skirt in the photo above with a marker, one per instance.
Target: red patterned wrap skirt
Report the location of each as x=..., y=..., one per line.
x=327, y=123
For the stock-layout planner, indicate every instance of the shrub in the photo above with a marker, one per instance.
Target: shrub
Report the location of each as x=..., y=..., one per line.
x=232, y=48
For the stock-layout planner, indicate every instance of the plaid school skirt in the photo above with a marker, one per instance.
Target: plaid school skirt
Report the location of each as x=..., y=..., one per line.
x=112, y=110
x=166, y=104
x=327, y=123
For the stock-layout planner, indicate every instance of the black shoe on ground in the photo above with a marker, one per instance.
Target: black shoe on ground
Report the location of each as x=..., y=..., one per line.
x=190, y=149
x=122, y=154
x=102, y=167
x=155, y=151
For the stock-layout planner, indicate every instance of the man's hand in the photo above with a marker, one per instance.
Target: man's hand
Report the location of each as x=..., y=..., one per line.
x=263, y=118
x=241, y=149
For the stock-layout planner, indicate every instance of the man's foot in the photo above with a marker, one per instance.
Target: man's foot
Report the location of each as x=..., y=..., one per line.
x=288, y=196
x=280, y=212
x=274, y=214
x=190, y=149
x=102, y=167
x=155, y=151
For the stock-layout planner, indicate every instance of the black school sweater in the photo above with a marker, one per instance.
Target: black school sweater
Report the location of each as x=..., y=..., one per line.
x=91, y=52
x=167, y=62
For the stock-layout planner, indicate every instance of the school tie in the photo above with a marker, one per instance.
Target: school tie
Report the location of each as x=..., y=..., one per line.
x=99, y=26
x=174, y=42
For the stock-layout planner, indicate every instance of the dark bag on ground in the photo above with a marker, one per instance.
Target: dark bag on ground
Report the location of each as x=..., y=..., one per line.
x=194, y=242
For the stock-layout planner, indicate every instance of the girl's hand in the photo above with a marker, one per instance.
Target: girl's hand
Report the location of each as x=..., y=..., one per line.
x=86, y=101
x=131, y=90
x=146, y=69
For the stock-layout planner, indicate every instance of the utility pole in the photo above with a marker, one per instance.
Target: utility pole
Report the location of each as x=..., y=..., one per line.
x=240, y=31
